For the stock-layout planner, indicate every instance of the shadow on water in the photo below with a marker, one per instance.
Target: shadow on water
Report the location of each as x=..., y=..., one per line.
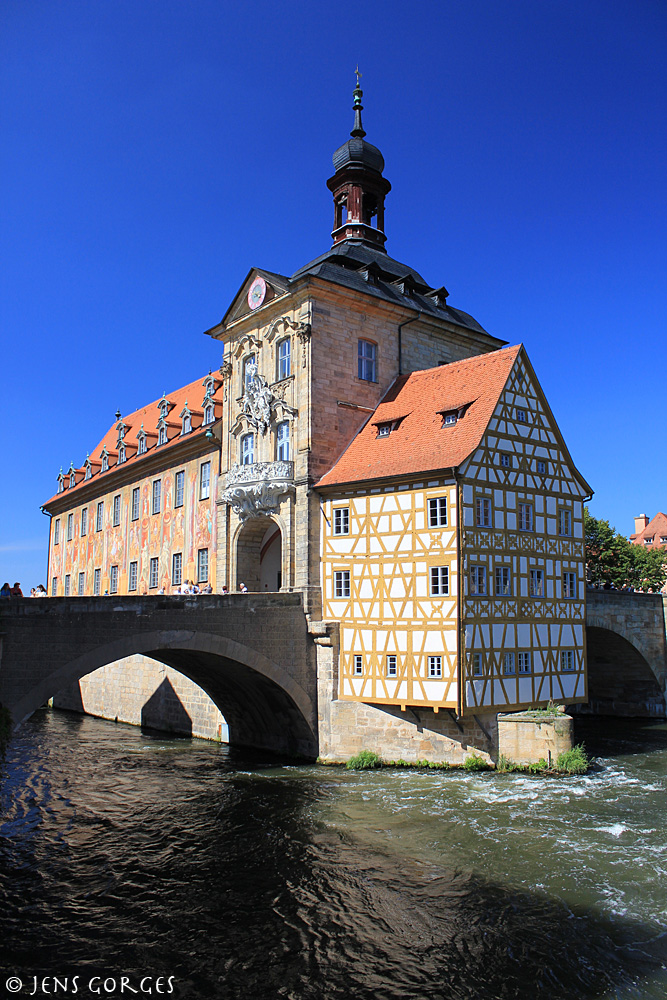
x=162, y=857
x=606, y=735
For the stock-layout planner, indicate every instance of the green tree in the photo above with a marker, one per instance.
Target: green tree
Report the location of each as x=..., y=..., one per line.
x=612, y=559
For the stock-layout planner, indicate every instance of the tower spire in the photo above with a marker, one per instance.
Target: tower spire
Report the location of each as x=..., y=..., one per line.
x=357, y=107
x=357, y=186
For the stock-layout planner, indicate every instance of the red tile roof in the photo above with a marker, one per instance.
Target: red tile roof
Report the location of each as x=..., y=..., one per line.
x=420, y=443
x=655, y=529
x=148, y=416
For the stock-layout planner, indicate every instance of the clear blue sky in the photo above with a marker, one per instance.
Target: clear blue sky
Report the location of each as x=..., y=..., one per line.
x=153, y=151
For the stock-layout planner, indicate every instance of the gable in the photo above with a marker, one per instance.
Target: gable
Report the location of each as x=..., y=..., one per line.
x=258, y=289
x=524, y=428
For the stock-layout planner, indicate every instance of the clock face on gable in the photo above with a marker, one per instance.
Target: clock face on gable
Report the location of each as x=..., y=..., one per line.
x=256, y=293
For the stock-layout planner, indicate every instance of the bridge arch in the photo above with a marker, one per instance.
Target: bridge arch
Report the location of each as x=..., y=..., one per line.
x=263, y=705
x=622, y=675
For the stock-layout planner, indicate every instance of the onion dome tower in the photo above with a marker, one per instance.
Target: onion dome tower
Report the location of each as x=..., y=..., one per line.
x=358, y=187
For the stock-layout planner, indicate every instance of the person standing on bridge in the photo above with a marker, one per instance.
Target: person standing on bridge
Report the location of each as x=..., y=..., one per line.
x=243, y=588
x=16, y=590
x=6, y=590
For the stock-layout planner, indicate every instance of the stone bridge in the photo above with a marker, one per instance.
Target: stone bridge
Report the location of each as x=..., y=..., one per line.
x=257, y=655
x=627, y=653
x=252, y=654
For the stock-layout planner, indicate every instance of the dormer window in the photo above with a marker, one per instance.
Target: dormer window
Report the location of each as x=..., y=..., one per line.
x=186, y=419
x=61, y=482
x=209, y=413
x=89, y=470
x=72, y=478
x=384, y=430
x=121, y=428
x=121, y=454
x=105, y=461
x=162, y=435
x=450, y=418
x=209, y=386
x=164, y=406
x=141, y=437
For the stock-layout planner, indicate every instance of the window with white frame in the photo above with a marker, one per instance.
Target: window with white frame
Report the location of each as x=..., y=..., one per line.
x=202, y=565
x=478, y=580
x=82, y=584
x=99, y=516
x=88, y=471
x=525, y=517
x=249, y=369
x=209, y=413
x=503, y=581
x=435, y=666
x=136, y=503
x=186, y=425
x=439, y=576
x=341, y=521
x=358, y=664
x=284, y=361
x=67, y=580
x=391, y=666
x=105, y=462
x=477, y=665
x=162, y=435
x=367, y=360
x=156, y=497
x=482, y=512
x=648, y=540
x=61, y=483
x=248, y=449
x=569, y=584
x=54, y=586
x=521, y=415
x=113, y=580
x=205, y=481
x=342, y=583
x=132, y=581
x=384, y=430
x=70, y=527
x=72, y=479
x=663, y=539
x=177, y=569
x=505, y=460
x=564, y=521
x=437, y=512
x=154, y=572
x=524, y=663
x=141, y=447
x=567, y=660
x=97, y=582
x=56, y=532
x=282, y=441
x=121, y=454
x=509, y=666
x=536, y=588
x=450, y=418
x=179, y=488
x=116, y=510
x=84, y=521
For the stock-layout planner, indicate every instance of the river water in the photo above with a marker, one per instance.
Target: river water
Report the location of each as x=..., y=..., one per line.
x=131, y=854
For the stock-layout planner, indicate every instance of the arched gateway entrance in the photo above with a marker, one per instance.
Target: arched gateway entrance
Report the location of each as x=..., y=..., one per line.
x=259, y=555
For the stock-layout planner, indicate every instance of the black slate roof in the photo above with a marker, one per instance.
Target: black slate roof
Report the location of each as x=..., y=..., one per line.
x=373, y=272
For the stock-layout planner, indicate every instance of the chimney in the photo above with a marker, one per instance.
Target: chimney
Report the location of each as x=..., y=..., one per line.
x=640, y=523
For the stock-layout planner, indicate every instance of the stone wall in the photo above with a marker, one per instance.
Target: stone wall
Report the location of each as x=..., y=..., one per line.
x=526, y=740
x=144, y=692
